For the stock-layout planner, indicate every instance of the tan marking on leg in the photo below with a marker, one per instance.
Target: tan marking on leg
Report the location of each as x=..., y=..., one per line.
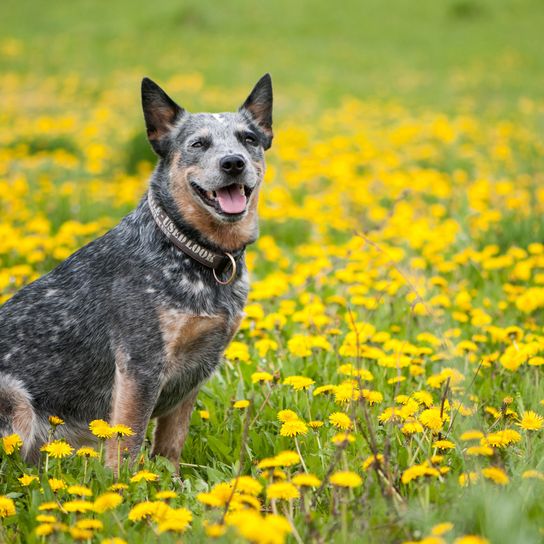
x=126, y=409
x=228, y=236
x=172, y=429
x=181, y=333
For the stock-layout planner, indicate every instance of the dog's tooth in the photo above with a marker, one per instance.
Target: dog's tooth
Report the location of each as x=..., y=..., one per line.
x=242, y=189
x=210, y=195
x=214, y=194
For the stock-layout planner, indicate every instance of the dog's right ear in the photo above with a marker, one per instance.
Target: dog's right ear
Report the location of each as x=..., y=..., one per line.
x=160, y=113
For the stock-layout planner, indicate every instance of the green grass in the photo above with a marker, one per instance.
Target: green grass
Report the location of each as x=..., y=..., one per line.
x=430, y=52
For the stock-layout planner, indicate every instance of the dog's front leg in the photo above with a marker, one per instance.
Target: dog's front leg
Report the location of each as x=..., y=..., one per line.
x=133, y=400
x=172, y=429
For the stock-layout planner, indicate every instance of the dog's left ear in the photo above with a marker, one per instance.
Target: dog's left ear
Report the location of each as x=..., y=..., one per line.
x=259, y=107
x=160, y=113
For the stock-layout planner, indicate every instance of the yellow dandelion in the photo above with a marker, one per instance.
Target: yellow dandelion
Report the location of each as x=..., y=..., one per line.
x=121, y=430
x=471, y=435
x=101, y=429
x=471, y=539
x=81, y=506
x=441, y=528
x=80, y=490
x=46, y=518
x=26, y=479
x=373, y=461
x=56, y=484
x=55, y=421
x=496, y=475
x=144, y=475
x=444, y=444
x=107, y=501
x=467, y=478
x=341, y=421
x=345, y=478
x=248, y=485
x=315, y=424
x=214, y=530
x=86, y=451
x=118, y=487
x=80, y=534
x=299, y=383
x=340, y=439
x=91, y=524
x=241, y=404
x=176, y=520
x=11, y=443
x=258, y=377
x=306, y=480
x=293, y=428
x=282, y=491
x=166, y=494
x=58, y=449
x=531, y=421
x=7, y=507
x=287, y=415
x=204, y=414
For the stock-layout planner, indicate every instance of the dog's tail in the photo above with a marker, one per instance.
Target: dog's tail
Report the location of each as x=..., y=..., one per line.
x=16, y=412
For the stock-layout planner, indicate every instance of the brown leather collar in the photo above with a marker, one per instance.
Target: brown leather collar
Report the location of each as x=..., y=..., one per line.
x=217, y=262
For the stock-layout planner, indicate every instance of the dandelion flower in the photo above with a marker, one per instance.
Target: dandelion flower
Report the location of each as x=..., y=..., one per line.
x=531, y=421
x=107, y=501
x=86, y=451
x=101, y=429
x=471, y=539
x=78, y=506
x=176, y=520
x=257, y=377
x=144, y=475
x=80, y=490
x=55, y=421
x=346, y=478
x=11, y=443
x=282, y=491
x=121, y=430
x=166, y=494
x=298, y=383
x=287, y=415
x=341, y=421
x=306, y=480
x=241, y=404
x=58, y=449
x=7, y=507
x=56, y=485
x=27, y=479
x=293, y=428
x=496, y=475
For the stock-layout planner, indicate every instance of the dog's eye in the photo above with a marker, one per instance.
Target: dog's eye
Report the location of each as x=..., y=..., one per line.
x=250, y=139
x=197, y=144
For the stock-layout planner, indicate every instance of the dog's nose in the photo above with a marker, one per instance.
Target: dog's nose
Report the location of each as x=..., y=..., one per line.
x=232, y=164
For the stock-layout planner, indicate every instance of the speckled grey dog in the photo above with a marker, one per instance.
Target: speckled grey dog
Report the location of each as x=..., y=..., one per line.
x=129, y=326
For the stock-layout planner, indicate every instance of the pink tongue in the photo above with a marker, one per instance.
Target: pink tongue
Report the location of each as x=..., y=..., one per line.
x=231, y=200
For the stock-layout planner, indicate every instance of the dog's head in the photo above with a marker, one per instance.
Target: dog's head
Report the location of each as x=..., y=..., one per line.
x=215, y=161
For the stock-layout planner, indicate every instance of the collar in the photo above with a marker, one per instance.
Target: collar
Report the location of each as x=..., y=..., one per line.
x=216, y=261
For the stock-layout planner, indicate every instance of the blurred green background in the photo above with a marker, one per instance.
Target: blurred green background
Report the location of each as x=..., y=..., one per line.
x=434, y=52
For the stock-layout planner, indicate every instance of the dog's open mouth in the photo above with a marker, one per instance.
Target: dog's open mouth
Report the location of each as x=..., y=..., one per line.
x=229, y=200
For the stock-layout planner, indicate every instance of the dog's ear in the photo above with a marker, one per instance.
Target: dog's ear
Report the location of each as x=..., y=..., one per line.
x=259, y=107
x=160, y=113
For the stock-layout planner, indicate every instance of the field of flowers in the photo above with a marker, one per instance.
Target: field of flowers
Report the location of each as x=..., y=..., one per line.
x=385, y=384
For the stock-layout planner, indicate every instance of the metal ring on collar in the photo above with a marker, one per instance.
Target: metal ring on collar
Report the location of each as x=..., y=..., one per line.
x=232, y=275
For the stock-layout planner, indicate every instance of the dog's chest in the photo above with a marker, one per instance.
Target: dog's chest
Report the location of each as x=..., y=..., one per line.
x=192, y=347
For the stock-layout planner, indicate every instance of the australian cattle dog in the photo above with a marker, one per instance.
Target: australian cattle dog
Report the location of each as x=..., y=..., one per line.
x=130, y=326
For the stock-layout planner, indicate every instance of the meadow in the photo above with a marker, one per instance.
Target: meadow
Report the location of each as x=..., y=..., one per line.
x=385, y=383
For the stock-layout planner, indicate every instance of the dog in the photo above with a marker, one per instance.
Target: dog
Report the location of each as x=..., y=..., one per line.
x=129, y=327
